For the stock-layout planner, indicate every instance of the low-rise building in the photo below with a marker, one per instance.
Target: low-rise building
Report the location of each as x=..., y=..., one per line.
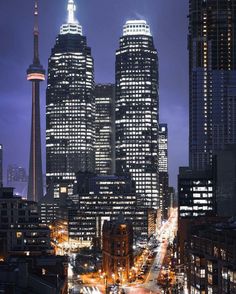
x=20, y=229
x=117, y=249
x=211, y=255
x=34, y=275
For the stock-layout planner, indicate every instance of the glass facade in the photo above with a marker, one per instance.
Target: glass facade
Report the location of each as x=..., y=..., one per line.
x=212, y=58
x=70, y=115
x=196, y=192
x=105, y=126
x=105, y=197
x=137, y=107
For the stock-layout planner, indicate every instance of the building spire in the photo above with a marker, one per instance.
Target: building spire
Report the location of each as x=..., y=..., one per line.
x=71, y=8
x=72, y=26
x=36, y=34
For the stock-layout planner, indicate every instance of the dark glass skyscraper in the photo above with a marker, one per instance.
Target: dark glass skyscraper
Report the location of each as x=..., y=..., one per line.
x=1, y=165
x=35, y=74
x=70, y=118
x=137, y=107
x=212, y=57
x=105, y=128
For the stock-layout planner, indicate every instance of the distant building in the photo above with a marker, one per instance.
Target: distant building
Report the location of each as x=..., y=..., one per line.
x=28, y=274
x=16, y=173
x=163, y=170
x=17, y=178
x=1, y=165
x=20, y=230
x=70, y=117
x=224, y=164
x=211, y=255
x=48, y=209
x=212, y=79
x=105, y=128
x=196, y=193
x=137, y=110
x=117, y=250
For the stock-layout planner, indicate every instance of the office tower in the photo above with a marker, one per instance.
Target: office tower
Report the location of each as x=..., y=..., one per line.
x=16, y=173
x=1, y=165
x=137, y=104
x=17, y=178
x=70, y=117
x=35, y=74
x=105, y=128
x=212, y=75
x=104, y=197
x=163, y=170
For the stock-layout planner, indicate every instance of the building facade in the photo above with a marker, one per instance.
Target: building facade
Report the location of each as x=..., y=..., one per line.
x=1, y=165
x=211, y=254
x=224, y=164
x=33, y=274
x=35, y=74
x=70, y=117
x=16, y=174
x=117, y=251
x=100, y=198
x=137, y=108
x=212, y=74
x=163, y=170
x=105, y=128
x=196, y=191
x=20, y=230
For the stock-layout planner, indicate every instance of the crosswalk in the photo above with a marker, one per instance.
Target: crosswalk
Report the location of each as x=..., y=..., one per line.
x=91, y=290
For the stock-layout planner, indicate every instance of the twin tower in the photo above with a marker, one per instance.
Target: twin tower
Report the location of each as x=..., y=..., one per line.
x=71, y=110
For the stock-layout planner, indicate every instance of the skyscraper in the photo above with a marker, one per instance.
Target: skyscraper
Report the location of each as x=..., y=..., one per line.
x=105, y=128
x=35, y=74
x=212, y=58
x=16, y=174
x=70, y=117
x=137, y=107
x=163, y=170
x=1, y=165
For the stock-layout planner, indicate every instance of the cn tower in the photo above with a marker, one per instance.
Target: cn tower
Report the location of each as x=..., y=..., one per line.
x=35, y=74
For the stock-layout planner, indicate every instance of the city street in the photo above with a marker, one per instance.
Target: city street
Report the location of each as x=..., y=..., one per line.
x=165, y=237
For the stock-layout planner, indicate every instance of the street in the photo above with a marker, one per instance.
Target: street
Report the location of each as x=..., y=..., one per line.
x=165, y=236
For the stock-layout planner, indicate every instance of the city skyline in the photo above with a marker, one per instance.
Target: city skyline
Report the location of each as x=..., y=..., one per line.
x=173, y=99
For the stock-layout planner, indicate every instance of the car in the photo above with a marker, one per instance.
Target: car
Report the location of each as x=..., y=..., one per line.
x=140, y=277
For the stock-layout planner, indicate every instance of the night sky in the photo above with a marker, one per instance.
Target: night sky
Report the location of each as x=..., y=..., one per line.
x=102, y=22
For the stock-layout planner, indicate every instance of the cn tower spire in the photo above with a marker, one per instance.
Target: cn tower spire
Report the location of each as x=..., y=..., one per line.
x=36, y=33
x=35, y=74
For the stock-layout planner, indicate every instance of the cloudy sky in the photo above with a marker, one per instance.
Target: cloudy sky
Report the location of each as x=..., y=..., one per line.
x=102, y=22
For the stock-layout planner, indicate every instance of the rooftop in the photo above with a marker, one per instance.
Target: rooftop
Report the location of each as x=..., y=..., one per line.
x=136, y=27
